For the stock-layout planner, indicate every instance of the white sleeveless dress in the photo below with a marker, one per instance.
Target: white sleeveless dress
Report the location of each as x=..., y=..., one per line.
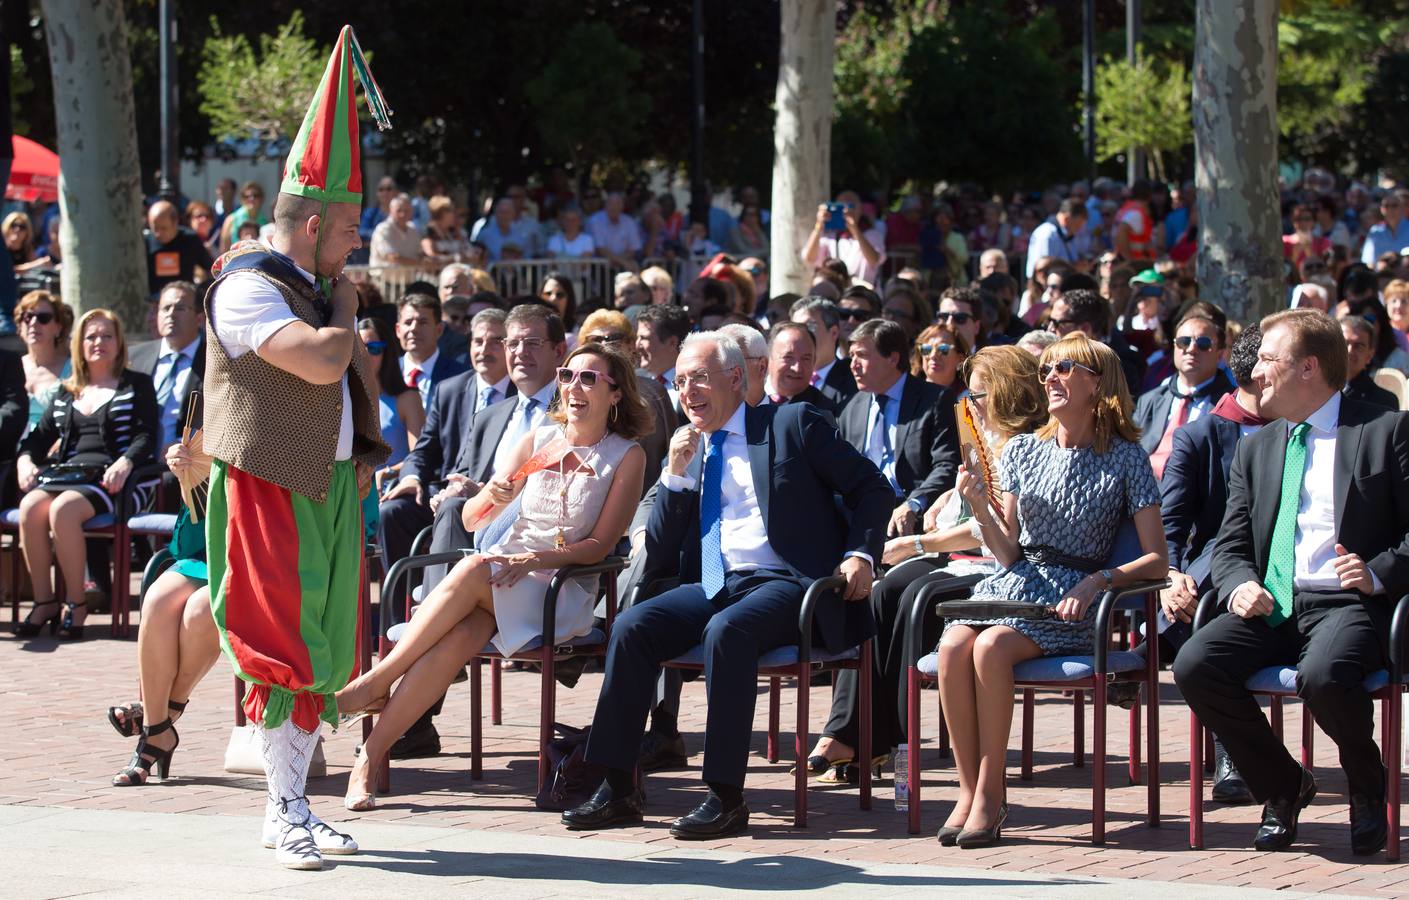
x=518, y=610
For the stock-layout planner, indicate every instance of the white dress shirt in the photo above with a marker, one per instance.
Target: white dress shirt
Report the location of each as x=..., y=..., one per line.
x=1316, y=511
x=423, y=382
x=520, y=425
x=500, y=390
x=171, y=412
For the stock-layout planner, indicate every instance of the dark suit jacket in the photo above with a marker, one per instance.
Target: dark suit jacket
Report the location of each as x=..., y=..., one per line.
x=1152, y=409
x=1372, y=498
x=818, y=399
x=446, y=366
x=448, y=420
x=14, y=404
x=144, y=357
x=799, y=464
x=475, y=458
x=1194, y=490
x=840, y=385
x=657, y=443
x=926, y=438
x=1363, y=388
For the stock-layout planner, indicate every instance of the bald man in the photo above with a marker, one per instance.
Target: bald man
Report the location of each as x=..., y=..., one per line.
x=173, y=253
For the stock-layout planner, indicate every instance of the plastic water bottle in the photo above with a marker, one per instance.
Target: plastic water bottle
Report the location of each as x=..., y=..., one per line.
x=902, y=777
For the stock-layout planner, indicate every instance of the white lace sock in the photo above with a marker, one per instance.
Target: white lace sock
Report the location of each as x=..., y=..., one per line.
x=288, y=750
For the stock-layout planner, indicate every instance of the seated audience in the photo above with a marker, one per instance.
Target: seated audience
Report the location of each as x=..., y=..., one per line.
x=173, y=253
x=103, y=420
x=423, y=365
x=1187, y=395
x=1359, y=350
x=1309, y=577
x=1064, y=493
x=571, y=512
x=937, y=356
x=903, y=424
x=444, y=240
x=792, y=355
x=401, y=412
x=1008, y=400
x=44, y=323
x=661, y=284
x=660, y=329
x=745, y=567
x=571, y=241
x=754, y=345
x=962, y=310
x=557, y=291
x=823, y=319
x=1084, y=310
x=176, y=361
x=396, y=241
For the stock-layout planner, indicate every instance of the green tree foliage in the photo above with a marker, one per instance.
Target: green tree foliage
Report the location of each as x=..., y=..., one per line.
x=1380, y=141
x=265, y=94
x=1142, y=105
x=581, y=120
x=985, y=102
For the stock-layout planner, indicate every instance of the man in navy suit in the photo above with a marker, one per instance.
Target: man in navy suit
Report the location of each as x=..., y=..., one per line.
x=745, y=565
x=831, y=376
x=423, y=365
x=1193, y=496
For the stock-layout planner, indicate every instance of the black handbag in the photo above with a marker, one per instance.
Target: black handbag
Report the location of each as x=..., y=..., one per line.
x=71, y=474
x=571, y=778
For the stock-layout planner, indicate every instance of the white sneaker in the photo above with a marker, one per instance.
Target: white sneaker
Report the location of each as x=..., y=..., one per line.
x=296, y=849
x=326, y=838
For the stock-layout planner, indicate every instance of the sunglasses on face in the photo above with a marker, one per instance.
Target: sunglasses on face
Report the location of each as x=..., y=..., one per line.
x=941, y=349
x=588, y=377
x=1063, y=367
x=604, y=338
x=958, y=318
x=1312, y=267
x=1203, y=342
x=1056, y=325
x=376, y=348
x=855, y=315
x=43, y=318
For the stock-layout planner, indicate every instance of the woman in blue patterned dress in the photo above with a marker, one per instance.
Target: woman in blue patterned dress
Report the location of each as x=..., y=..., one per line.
x=1066, y=490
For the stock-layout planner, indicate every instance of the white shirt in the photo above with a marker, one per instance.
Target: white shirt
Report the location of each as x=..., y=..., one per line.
x=1316, y=511
x=249, y=312
x=743, y=535
x=519, y=425
x=171, y=412
x=847, y=249
x=582, y=245
x=1198, y=407
x=423, y=383
x=1048, y=239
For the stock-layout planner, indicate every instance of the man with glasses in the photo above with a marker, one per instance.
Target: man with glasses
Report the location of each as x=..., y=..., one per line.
x=823, y=319
x=1191, y=392
x=1359, y=350
x=1084, y=310
x=738, y=481
x=1392, y=234
x=857, y=305
x=960, y=309
x=903, y=424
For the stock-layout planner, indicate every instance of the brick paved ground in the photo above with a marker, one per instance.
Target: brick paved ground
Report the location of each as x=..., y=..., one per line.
x=59, y=751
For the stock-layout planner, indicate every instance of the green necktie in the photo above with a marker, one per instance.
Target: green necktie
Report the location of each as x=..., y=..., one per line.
x=1281, y=561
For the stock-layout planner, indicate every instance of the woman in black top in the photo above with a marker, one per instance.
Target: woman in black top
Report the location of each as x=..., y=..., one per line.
x=104, y=416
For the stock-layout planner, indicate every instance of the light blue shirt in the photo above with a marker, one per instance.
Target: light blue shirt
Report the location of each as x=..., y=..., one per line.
x=171, y=409
x=1381, y=240
x=875, y=444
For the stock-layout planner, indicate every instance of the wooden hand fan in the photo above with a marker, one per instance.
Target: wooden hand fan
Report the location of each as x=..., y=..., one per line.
x=978, y=456
x=194, y=478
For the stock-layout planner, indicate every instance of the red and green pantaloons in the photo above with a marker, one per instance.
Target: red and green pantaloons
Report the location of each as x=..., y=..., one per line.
x=286, y=579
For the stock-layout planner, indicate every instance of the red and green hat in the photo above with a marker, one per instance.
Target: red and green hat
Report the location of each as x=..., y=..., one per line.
x=325, y=162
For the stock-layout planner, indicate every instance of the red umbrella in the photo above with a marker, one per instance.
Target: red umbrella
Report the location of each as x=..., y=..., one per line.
x=34, y=176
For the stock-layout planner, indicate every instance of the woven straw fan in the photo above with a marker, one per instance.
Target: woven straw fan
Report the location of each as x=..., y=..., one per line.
x=194, y=478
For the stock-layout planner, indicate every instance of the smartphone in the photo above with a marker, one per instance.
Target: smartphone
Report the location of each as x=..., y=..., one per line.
x=836, y=216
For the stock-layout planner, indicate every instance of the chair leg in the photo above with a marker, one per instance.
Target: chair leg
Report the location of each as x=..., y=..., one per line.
x=1393, y=712
x=800, y=739
x=1196, y=783
x=1078, y=729
x=1133, y=764
x=1098, y=762
x=943, y=725
x=476, y=721
x=775, y=697
x=1275, y=711
x=496, y=692
x=1028, y=702
x=863, y=701
x=1308, y=738
x=547, y=709
x=1152, y=773
x=912, y=740
x=240, y=719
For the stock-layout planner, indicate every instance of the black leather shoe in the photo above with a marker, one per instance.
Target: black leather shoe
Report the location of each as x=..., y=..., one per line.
x=711, y=820
x=1369, y=826
x=416, y=744
x=1228, y=785
x=660, y=752
x=604, y=812
x=1279, y=817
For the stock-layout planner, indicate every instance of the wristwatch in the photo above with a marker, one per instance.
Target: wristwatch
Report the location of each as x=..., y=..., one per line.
x=1109, y=576
x=919, y=546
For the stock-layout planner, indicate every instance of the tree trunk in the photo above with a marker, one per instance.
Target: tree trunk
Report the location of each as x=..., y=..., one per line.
x=100, y=195
x=802, y=137
x=1235, y=142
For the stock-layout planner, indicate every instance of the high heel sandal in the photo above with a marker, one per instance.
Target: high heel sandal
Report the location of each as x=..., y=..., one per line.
x=69, y=631
x=131, y=722
x=948, y=835
x=30, y=628
x=971, y=838
x=145, y=758
x=364, y=801
x=846, y=771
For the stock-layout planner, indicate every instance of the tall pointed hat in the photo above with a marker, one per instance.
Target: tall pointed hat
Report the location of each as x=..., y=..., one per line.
x=325, y=162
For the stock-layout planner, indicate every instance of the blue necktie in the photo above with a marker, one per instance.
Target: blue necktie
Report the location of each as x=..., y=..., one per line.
x=168, y=384
x=887, y=451
x=484, y=397
x=525, y=419
x=711, y=509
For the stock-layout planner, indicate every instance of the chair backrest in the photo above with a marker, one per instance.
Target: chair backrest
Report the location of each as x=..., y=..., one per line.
x=1394, y=381
x=1126, y=546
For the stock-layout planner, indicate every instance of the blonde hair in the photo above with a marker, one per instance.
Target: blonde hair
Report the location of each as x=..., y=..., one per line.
x=656, y=276
x=1111, y=407
x=483, y=281
x=81, y=377
x=608, y=320
x=1016, y=403
x=1397, y=288
x=439, y=204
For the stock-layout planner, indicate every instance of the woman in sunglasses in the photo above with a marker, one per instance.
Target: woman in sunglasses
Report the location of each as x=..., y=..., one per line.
x=1063, y=494
x=1007, y=400
x=572, y=508
x=937, y=356
x=44, y=322
x=403, y=417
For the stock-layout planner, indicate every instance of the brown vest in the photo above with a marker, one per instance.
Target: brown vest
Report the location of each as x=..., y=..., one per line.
x=276, y=426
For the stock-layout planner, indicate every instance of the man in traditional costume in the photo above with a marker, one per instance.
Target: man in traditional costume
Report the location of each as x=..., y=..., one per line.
x=292, y=425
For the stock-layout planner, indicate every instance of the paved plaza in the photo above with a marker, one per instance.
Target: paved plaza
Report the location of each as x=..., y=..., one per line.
x=439, y=832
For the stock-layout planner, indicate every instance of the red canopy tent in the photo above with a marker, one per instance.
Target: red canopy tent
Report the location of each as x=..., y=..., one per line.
x=34, y=176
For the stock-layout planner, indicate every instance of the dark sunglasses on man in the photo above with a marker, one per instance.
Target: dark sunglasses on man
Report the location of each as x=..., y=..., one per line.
x=957, y=318
x=1203, y=342
x=855, y=315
